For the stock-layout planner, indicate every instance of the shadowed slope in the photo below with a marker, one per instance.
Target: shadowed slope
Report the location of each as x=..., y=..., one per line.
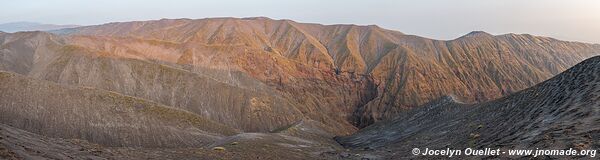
x=559, y=113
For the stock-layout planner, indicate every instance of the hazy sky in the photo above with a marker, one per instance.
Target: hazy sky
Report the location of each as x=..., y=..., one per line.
x=577, y=20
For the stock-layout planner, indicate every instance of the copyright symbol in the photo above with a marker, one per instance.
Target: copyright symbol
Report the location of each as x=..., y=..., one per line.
x=416, y=151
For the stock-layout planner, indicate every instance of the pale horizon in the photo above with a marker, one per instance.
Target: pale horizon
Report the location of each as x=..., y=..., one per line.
x=576, y=20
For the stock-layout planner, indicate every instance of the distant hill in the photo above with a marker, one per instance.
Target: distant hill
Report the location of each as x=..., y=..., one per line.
x=31, y=26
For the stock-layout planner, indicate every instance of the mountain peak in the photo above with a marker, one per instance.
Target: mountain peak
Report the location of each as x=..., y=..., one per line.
x=257, y=18
x=477, y=34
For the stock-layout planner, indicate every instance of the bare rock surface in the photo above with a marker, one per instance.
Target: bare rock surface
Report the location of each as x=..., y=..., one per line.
x=388, y=71
x=279, y=89
x=560, y=113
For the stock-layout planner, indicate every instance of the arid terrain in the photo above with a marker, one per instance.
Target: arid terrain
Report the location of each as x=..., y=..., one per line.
x=248, y=88
x=560, y=113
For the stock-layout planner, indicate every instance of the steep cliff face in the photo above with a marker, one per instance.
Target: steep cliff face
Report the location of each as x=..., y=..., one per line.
x=559, y=113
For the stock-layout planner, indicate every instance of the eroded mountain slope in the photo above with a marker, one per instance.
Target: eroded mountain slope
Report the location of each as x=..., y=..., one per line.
x=339, y=75
x=296, y=84
x=103, y=117
x=390, y=71
x=287, y=143
x=225, y=96
x=560, y=113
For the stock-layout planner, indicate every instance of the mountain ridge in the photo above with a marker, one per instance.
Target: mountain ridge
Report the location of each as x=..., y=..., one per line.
x=279, y=89
x=390, y=71
x=58, y=31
